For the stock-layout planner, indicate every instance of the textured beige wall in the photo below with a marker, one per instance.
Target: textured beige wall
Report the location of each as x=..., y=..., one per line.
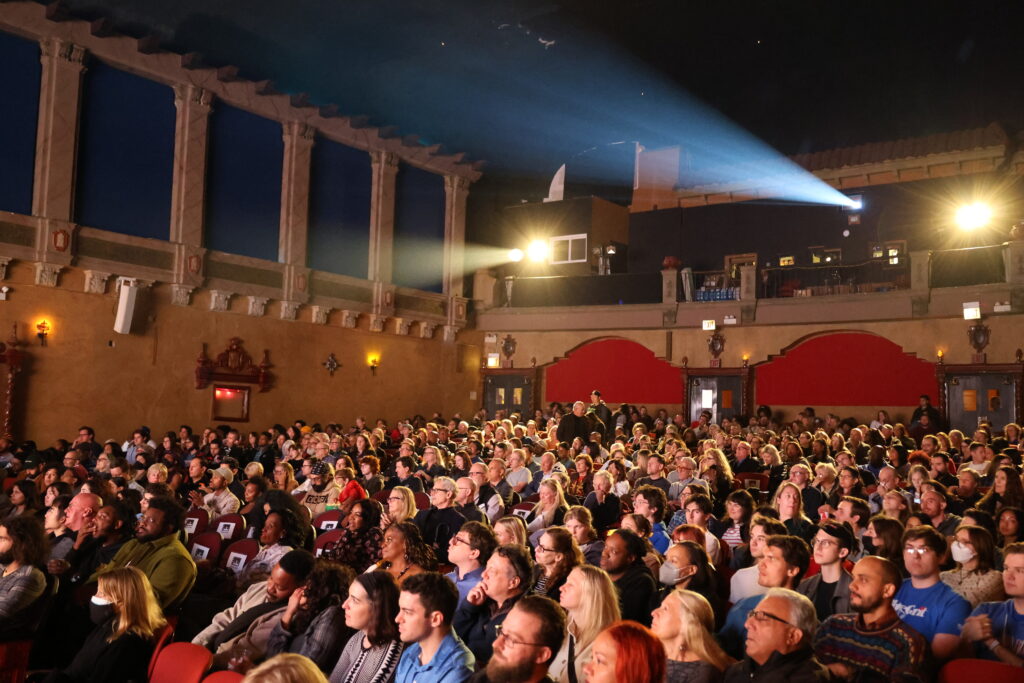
x=147, y=377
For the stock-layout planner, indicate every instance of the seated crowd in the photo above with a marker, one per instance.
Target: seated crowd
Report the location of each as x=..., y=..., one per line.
x=575, y=545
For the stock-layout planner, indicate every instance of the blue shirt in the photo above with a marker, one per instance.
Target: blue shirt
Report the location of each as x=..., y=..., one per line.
x=452, y=663
x=467, y=582
x=1007, y=628
x=733, y=636
x=933, y=610
x=660, y=539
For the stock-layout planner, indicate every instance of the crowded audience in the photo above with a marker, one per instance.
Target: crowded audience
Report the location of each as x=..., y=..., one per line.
x=579, y=543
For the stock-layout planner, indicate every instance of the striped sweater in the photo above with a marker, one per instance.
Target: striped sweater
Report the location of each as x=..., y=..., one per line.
x=890, y=650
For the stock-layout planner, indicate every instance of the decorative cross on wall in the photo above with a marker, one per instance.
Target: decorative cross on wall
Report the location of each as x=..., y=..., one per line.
x=331, y=364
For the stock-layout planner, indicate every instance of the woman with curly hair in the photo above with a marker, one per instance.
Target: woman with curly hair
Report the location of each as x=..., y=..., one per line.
x=1007, y=491
x=313, y=624
x=361, y=537
x=404, y=554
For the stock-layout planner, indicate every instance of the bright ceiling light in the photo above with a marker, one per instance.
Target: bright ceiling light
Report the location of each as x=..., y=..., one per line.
x=973, y=216
x=515, y=255
x=537, y=251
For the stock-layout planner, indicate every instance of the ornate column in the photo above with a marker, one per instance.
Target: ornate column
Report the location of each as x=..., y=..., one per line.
x=456, y=190
x=298, y=148
x=382, y=215
x=60, y=92
x=188, y=186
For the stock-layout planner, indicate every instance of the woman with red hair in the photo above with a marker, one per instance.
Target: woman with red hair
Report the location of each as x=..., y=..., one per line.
x=626, y=652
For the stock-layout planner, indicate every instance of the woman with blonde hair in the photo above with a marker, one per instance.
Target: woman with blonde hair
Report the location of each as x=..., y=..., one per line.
x=790, y=504
x=511, y=530
x=401, y=507
x=549, y=510
x=128, y=619
x=591, y=604
x=284, y=477
x=684, y=624
x=286, y=668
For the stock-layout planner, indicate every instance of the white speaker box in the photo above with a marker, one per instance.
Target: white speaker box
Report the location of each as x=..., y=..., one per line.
x=126, y=306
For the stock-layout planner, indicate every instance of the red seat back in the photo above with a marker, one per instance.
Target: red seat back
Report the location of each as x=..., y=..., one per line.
x=960, y=670
x=239, y=554
x=326, y=539
x=181, y=663
x=326, y=521
x=14, y=656
x=422, y=500
x=196, y=521
x=224, y=677
x=205, y=546
x=382, y=497
x=162, y=637
x=230, y=527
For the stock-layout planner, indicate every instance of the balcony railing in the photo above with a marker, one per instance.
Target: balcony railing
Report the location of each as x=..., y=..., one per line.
x=582, y=290
x=876, y=275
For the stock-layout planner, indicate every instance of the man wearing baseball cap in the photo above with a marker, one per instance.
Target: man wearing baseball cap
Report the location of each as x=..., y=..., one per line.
x=218, y=499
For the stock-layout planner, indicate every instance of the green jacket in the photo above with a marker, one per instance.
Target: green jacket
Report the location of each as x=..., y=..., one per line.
x=165, y=561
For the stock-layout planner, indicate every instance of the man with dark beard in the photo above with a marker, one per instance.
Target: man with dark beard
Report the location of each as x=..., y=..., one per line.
x=872, y=644
x=527, y=642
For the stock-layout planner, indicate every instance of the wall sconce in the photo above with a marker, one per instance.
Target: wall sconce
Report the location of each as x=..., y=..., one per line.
x=374, y=363
x=746, y=360
x=42, y=331
x=940, y=354
x=493, y=360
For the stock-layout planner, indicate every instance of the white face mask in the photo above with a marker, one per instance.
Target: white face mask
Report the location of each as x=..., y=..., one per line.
x=961, y=553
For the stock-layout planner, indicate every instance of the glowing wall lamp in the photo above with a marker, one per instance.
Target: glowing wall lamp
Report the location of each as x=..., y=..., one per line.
x=374, y=363
x=43, y=329
x=493, y=360
x=973, y=216
x=941, y=355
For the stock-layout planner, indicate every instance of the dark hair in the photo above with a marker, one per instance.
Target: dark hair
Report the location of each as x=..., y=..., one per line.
x=260, y=482
x=62, y=487
x=635, y=546
x=326, y=585
x=552, y=620
x=61, y=503
x=890, y=531
x=123, y=513
x=291, y=513
x=984, y=546
x=1019, y=515
x=932, y=538
x=407, y=462
x=771, y=525
x=436, y=593
x=981, y=517
x=481, y=539
x=702, y=501
x=795, y=552
x=382, y=595
x=173, y=513
x=519, y=558
x=372, y=511
x=705, y=581
x=416, y=550
x=656, y=498
x=28, y=539
x=372, y=461
x=30, y=491
x=841, y=531
x=298, y=563
x=859, y=508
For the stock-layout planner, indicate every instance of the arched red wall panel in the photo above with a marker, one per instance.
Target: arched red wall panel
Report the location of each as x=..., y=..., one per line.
x=845, y=369
x=623, y=370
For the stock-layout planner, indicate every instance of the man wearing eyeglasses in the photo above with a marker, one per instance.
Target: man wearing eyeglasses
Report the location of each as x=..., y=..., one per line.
x=777, y=644
x=829, y=589
x=924, y=602
x=527, y=642
x=782, y=565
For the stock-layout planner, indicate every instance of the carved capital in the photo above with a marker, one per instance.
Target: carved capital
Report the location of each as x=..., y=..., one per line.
x=289, y=310
x=402, y=326
x=219, y=300
x=257, y=306
x=47, y=274
x=63, y=50
x=349, y=319
x=381, y=160
x=186, y=93
x=449, y=333
x=456, y=183
x=299, y=130
x=377, y=323
x=427, y=330
x=181, y=295
x=320, y=314
x=4, y=262
x=96, y=282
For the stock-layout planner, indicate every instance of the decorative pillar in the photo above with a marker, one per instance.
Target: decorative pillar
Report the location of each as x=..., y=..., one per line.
x=1013, y=261
x=382, y=215
x=919, y=270
x=298, y=148
x=188, y=185
x=60, y=91
x=669, y=286
x=456, y=190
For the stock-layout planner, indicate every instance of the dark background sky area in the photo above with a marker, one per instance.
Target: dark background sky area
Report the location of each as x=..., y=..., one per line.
x=527, y=85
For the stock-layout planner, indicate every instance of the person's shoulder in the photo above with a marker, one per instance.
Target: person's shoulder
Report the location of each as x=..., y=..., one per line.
x=993, y=608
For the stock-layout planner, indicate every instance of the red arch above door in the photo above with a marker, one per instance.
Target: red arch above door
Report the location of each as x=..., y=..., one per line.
x=623, y=370
x=845, y=369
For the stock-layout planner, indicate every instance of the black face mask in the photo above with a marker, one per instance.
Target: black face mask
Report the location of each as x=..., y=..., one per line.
x=100, y=614
x=6, y=558
x=869, y=545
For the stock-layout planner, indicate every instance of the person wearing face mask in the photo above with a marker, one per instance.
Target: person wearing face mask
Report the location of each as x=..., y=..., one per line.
x=322, y=488
x=688, y=567
x=975, y=576
x=127, y=618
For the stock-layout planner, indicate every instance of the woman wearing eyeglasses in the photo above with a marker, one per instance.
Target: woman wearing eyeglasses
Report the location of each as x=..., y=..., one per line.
x=557, y=554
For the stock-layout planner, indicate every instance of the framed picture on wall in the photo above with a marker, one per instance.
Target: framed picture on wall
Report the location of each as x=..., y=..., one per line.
x=230, y=403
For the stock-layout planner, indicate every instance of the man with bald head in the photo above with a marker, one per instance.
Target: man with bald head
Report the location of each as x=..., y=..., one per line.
x=81, y=510
x=872, y=643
